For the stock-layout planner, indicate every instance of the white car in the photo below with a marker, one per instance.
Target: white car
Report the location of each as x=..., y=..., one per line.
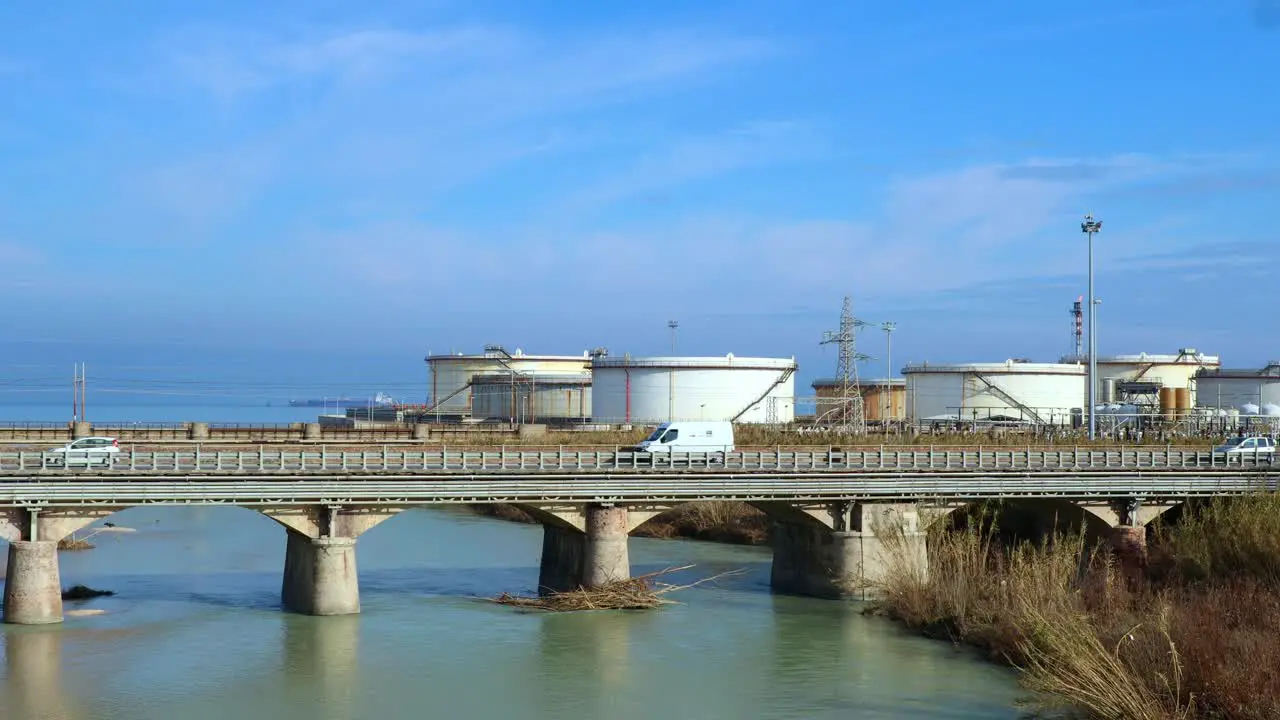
x=1259, y=445
x=86, y=452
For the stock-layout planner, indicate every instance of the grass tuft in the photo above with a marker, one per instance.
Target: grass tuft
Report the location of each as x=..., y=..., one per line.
x=1192, y=638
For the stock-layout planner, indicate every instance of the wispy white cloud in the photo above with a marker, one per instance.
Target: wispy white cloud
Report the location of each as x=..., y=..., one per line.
x=655, y=176
x=230, y=64
x=938, y=232
x=501, y=68
x=381, y=122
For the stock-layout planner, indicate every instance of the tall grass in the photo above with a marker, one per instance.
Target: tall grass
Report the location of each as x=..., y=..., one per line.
x=1197, y=638
x=1228, y=539
x=714, y=520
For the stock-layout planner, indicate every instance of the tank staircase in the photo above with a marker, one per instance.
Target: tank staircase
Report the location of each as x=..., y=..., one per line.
x=999, y=391
x=781, y=379
x=434, y=407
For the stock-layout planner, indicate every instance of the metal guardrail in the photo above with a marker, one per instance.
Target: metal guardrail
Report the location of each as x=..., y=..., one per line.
x=756, y=488
x=390, y=461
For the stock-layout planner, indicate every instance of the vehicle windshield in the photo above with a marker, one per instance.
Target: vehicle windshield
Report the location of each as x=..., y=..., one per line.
x=657, y=433
x=1232, y=442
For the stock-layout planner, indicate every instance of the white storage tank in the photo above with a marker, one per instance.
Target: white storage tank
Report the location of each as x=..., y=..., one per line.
x=1223, y=388
x=451, y=374
x=1168, y=370
x=658, y=389
x=1044, y=393
x=549, y=398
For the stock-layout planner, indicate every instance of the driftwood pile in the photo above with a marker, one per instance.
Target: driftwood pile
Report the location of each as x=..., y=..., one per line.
x=642, y=592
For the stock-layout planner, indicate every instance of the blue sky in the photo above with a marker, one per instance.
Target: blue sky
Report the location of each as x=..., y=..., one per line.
x=380, y=179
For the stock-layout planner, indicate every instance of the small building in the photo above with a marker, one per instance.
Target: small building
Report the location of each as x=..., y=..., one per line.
x=1238, y=389
x=883, y=400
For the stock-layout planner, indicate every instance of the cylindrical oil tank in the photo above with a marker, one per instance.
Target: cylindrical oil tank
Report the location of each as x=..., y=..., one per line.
x=1182, y=401
x=533, y=398
x=1167, y=370
x=1227, y=388
x=1108, y=390
x=1168, y=404
x=1043, y=393
x=881, y=399
x=658, y=389
x=450, y=375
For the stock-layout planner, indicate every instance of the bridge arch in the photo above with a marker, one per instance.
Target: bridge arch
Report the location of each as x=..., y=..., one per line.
x=55, y=524
x=1029, y=519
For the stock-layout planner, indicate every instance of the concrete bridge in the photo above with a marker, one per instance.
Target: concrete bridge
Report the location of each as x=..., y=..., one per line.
x=839, y=517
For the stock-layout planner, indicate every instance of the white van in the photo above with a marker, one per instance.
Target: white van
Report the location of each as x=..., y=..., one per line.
x=689, y=436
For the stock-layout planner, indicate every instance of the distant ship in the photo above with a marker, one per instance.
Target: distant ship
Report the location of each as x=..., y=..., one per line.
x=379, y=400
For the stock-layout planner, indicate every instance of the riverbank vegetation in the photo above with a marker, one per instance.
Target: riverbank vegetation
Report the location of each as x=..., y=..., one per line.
x=1189, y=634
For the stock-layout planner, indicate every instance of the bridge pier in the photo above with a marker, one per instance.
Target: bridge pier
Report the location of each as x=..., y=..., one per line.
x=869, y=541
x=563, y=550
x=32, y=584
x=320, y=575
x=573, y=559
x=606, y=558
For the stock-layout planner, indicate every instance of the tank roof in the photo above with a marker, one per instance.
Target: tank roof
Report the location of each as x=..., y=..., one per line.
x=835, y=382
x=1008, y=366
x=1190, y=357
x=1270, y=370
x=721, y=361
x=517, y=355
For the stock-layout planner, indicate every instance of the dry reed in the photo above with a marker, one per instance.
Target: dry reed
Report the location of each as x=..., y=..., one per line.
x=1193, y=639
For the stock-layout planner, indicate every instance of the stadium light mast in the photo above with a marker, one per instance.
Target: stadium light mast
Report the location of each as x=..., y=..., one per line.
x=1090, y=227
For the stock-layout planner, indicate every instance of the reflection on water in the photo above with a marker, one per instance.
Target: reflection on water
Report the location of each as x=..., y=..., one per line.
x=33, y=675
x=320, y=661
x=195, y=631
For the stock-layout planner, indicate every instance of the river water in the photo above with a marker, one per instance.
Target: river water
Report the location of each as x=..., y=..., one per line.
x=195, y=631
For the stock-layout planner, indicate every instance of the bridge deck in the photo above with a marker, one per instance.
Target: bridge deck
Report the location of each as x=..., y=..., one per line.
x=391, y=461
x=395, y=477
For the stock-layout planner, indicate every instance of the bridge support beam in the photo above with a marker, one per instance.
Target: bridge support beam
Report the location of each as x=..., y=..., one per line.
x=563, y=550
x=1129, y=536
x=32, y=585
x=320, y=575
x=848, y=562
x=572, y=559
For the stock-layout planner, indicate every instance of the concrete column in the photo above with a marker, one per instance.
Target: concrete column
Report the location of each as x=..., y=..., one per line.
x=311, y=431
x=199, y=431
x=81, y=430
x=814, y=561
x=810, y=560
x=606, y=559
x=563, y=552
x=1130, y=545
x=32, y=586
x=421, y=431
x=320, y=576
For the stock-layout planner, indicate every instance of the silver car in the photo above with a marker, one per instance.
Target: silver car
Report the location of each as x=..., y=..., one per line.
x=1256, y=445
x=86, y=452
